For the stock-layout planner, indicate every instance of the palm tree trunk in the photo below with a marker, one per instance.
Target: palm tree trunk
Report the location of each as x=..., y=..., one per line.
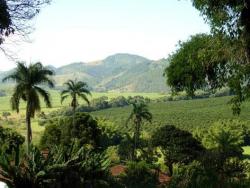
x=135, y=146
x=28, y=126
x=17, y=153
x=136, y=138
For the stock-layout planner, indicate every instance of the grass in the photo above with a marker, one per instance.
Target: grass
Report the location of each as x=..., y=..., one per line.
x=56, y=100
x=246, y=152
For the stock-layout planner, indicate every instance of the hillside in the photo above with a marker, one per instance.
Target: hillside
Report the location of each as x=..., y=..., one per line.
x=117, y=73
x=120, y=72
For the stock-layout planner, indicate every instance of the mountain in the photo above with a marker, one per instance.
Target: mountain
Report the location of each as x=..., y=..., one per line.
x=119, y=72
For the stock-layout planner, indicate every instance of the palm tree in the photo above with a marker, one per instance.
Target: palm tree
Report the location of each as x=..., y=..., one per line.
x=139, y=113
x=75, y=89
x=28, y=80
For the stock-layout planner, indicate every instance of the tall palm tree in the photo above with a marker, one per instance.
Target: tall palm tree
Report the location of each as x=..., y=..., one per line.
x=28, y=80
x=75, y=89
x=139, y=113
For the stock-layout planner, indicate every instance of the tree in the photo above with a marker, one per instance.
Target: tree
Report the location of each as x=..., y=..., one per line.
x=10, y=142
x=224, y=154
x=75, y=89
x=139, y=113
x=28, y=80
x=177, y=146
x=229, y=17
x=15, y=16
x=210, y=62
x=224, y=139
x=80, y=127
x=140, y=174
x=198, y=63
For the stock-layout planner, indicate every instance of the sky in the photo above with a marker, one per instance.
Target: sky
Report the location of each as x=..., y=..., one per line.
x=68, y=31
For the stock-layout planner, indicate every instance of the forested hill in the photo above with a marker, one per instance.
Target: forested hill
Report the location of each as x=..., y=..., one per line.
x=119, y=72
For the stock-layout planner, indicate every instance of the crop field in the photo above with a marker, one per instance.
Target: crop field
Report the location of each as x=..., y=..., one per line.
x=186, y=114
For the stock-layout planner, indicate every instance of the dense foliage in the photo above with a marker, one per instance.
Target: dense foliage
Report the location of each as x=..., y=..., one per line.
x=66, y=130
x=229, y=17
x=209, y=62
x=177, y=146
x=77, y=150
x=139, y=174
x=199, y=63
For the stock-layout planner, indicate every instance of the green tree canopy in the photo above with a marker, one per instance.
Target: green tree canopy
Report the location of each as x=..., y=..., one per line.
x=75, y=89
x=198, y=63
x=225, y=137
x=229, y=17
x=210, y=62
x=65, y=130
x=177, y=146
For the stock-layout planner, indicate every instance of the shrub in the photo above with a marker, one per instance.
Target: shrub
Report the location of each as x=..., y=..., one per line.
x=81, y=127
x=192, y=175
x=139, y=174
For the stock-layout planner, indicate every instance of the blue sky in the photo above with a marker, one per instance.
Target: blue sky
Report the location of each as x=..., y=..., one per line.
x=87, y=30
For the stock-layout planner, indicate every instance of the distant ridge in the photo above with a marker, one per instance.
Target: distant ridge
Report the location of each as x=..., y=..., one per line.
x=119, y=73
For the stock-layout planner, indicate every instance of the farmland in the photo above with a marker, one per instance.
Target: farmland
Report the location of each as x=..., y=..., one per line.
x=186, y=114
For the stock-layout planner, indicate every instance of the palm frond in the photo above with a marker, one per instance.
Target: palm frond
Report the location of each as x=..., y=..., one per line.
x=63, y=98
x=33, y=102
x=84, y=97
x=45, y=95
x=63, y=92
x=128, y=119
x=76, y=89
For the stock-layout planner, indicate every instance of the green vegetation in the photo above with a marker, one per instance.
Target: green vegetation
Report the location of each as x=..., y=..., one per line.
x=56, y=99
x=75, y=90
x=246, y=151
x=177, y=146
x=138, y=116
x=185, y=114
x=174, y=142
x=28, y=79
x=116, y=73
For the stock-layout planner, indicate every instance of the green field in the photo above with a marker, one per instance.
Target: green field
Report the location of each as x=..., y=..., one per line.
x=186, y=114
x=18, y=119
x=56, y=101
